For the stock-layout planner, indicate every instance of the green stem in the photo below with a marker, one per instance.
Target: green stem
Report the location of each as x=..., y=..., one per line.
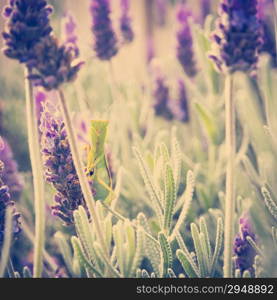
x=80, y=171
x=37, y=171
x=230, y=176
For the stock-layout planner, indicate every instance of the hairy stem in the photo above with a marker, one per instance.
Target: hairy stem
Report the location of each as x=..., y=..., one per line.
x=230, y=176
x=80, y=171
x=37, y=171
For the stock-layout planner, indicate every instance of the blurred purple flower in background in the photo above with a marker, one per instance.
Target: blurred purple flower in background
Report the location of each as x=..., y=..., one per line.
x=27, y=23
x=205, y=9
x=181, y=106
x=105, y=38
x=10, y=174
x=161, y=11
x=238, y=37
x=69, y=34
x=125, y=22
x=162, y=98
x=244, y=252
x=185, y=52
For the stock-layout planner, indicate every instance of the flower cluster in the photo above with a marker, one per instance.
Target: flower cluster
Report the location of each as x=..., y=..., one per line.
x=185, y=53
x=59, y=166
x=105, y=38
x=27, y=23
x=28, y=38
x=125, y=22
x=52, y=65
x=10, y=174
x=244, y=252
x=5, y=202
x=238, y=36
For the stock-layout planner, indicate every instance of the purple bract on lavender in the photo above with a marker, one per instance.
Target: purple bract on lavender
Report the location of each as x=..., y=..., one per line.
x=10, y=174
x=185, y=53
x=69, y=34
x=238, y=36
x=244, y=252
x=59, y=166
x=27, y=23
x=105, y=39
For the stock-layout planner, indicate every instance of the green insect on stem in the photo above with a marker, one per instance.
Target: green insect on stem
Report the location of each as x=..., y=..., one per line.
x=97, y=166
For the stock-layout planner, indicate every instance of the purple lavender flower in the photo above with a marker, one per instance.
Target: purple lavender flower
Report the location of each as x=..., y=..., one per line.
x=238, y=36
x=244, y=252
x=5, y=202
x=161, y=10
x=205, y=9
x=162, y=98
x=59, y=166
x=105, y=38
x=53, y=64
x=70, y=37
x=27, y=23
x=181, y=107
x=185, y=52
x=10, y=174
x=125, y=22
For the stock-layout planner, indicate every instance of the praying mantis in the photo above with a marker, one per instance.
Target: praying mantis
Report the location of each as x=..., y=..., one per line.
x=97, y=166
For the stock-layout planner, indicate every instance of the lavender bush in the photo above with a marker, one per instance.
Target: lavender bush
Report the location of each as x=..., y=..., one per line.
x=140, y=179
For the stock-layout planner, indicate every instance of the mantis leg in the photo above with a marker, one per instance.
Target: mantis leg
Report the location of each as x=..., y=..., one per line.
x=108, y=188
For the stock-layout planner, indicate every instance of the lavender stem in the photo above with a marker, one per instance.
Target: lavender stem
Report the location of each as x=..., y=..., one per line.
x=230, y=178
x=79, y=169
x=37, y=170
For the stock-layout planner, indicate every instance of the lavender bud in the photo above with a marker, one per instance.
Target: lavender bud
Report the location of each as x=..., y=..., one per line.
x=70, y=37
x=162, y=98
x=53, y=64
x=27, y=23
x=244, y=252
x=5, y=202
x=10, y=174
x=238, y=36
x=125, y=22
x=105, y=38
x=185, y=52
x=205, y=9
x=59, y=167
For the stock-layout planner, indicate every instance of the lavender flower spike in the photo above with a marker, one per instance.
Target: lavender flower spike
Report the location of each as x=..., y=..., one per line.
x=27, y=23
x=185, y=52
x=10, y=174
x=105, y=38
x=59, y=166
x=125, y=22
x=238, y=36
x=162, y=98
x=70, y=37
x=181, y=108
x=244, y=252
x=5, y=202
